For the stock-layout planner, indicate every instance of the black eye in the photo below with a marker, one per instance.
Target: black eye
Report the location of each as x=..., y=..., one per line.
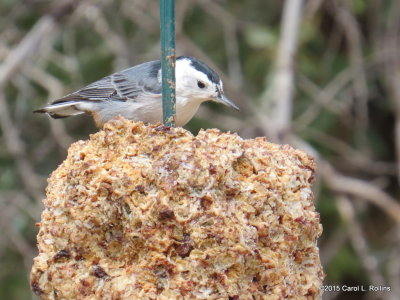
x=201, y=84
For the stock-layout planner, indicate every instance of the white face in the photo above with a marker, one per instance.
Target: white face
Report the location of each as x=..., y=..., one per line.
x=193, y=84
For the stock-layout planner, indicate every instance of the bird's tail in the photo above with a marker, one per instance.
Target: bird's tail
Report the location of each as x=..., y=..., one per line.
x=61, y=110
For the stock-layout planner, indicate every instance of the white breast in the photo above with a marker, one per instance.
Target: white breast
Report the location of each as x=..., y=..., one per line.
x=148, y=110
x=185, y=110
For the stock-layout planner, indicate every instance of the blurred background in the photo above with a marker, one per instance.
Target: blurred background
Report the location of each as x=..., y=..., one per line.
x=322, y=76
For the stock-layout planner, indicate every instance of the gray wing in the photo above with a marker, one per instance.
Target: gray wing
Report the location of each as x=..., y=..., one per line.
x=126, y=85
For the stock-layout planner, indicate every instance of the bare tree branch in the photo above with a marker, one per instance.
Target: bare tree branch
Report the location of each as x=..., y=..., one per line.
x=279, y=120
x=361, y=189
x=353, y=35
x=359, y=242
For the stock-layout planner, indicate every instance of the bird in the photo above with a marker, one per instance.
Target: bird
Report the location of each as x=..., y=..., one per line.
x=136, y=94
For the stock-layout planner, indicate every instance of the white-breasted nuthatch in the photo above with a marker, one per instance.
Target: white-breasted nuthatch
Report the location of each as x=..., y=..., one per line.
x=135, y=93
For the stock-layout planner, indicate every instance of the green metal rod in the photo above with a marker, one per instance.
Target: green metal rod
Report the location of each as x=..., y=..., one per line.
x=167, y=26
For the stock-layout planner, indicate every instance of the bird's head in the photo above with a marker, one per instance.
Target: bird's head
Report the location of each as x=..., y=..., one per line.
x=198, y=82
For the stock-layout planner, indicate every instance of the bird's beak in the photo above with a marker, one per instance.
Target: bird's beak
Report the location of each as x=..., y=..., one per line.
x=225, y=100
